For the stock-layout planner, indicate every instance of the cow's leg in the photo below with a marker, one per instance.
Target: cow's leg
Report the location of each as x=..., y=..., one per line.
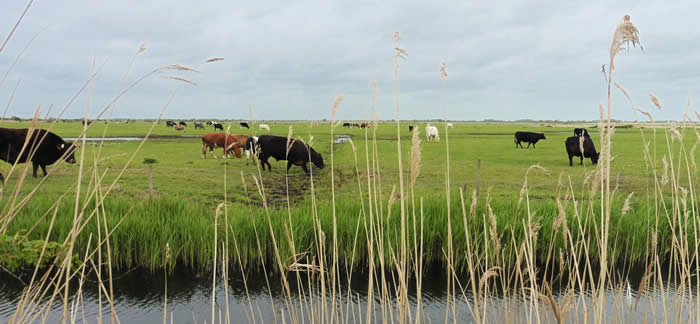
x=211, y=150
x=289, y=165
x=581, y=159
x=533, y=145
x=43, y=169
x=528, y=144
x=303, y=166
x=35, y=167
x=571, y=160
x=204, y=151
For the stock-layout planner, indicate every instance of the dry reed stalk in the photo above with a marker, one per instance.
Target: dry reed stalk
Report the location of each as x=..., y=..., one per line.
x=552, y=303
x=664, y=176
x=415, y=156
x=561, y=218
x=624, y=91
x=165, y=273
x=493, y=229
x=214, y=59
x=626, y=206
x=19, y=21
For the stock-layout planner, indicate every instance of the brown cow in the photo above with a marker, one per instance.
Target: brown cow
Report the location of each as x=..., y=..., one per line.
x=228, y=142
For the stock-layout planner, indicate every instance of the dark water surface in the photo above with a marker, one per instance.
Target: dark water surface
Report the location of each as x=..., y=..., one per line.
x=139, y=296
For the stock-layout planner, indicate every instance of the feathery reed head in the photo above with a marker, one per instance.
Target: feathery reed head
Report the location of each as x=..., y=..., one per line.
x=179, y=79
x=624, y=91
x=443, y=70
x=336, y=104
x=645, y=113
x=656, y=101
x=142, y=49
x=626, y=206
x=625, y=33
x=178, y=67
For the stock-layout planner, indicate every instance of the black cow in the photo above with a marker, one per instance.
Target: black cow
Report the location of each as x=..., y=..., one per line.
x=573, y=148
x=244, y=125
x=346, y=124
x=581, y=132
x=198, y=125
x=410, y=128
x=268, y=146
x=170, y=123
x=45, y=146
x=209, y=123
x=529, y=137
x=183, y=123
x=218, y=126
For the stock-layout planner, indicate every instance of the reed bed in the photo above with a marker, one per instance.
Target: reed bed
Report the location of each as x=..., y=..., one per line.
x=585, y=242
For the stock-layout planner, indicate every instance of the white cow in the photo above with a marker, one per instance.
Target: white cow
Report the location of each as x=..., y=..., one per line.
x=449, y=125
x=432, y=133
x=264, y=127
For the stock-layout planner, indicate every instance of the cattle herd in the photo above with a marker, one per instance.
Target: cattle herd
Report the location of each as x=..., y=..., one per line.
x=44, y=148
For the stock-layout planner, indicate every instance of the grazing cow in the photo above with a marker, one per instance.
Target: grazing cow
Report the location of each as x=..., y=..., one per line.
x=268, y=146
x=573, y=148
x=581, y=132
x=244, y=125
x=198, y=125
x=449, y=125
x=182, y=123
x=346, y=124
x=264, y=127
x=432, y=133
x=356, y=125
x=529, y=137
x=45, y=146
x=209, y=123
x=364, y=125
x=179, y=128
x=410, y=128
x=218, y=126
x=228, y=142
x=170, y=123
x=89, y=122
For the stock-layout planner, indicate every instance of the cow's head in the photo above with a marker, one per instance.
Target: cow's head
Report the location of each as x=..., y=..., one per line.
x=594, y=158
x=541, y=136
x=317, y=159
x=70, y=148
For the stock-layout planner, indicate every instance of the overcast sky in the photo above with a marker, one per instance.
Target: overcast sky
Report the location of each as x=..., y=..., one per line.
x=289, y=59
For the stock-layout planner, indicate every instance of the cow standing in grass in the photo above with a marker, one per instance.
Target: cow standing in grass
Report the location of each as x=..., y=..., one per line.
x=299, y=153
x=44, y=148
x=218, y=126
x=529, y=137
x=198, y=125
x=228, y=142
x=431, y=132
x=581, y=132
x=244, y=125
x=574, y=144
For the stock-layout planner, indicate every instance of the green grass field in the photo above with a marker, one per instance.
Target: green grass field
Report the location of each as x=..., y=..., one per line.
x=189, y=188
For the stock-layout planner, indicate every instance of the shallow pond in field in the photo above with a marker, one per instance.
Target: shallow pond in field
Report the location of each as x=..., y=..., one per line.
x=342, y=139
x=106, y=139
x=139, y=296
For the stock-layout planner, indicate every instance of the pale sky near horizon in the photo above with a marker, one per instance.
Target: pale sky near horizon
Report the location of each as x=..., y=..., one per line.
x=289, y=59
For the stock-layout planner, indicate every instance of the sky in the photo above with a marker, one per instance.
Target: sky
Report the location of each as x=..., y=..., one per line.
x=505, y=60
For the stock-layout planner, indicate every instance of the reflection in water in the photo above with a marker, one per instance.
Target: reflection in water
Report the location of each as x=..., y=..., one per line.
x=138, y=298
